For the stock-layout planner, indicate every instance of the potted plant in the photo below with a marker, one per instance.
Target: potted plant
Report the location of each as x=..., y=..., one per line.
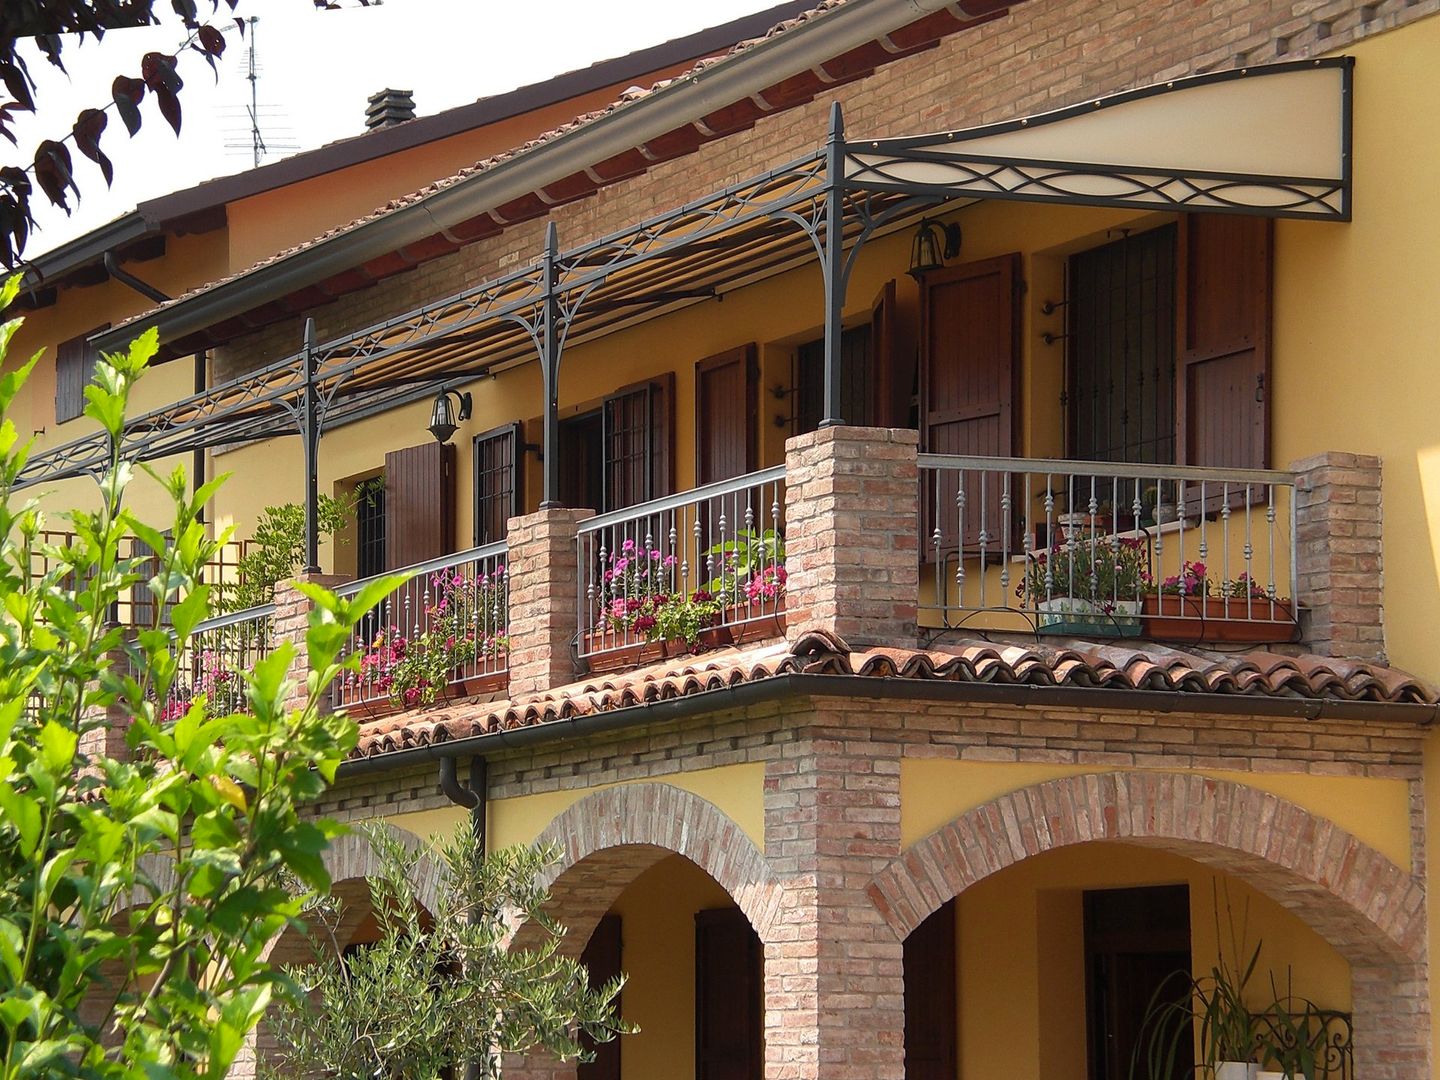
x=1152, y=510
x=465, y=629
x=1088, y=585
x=750, y=582
x=1291, y=1036
x=1190, y=606
x=1229, y=1033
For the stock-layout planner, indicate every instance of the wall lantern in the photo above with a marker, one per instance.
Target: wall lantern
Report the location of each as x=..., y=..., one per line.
x=935, y=241
x=442, y=416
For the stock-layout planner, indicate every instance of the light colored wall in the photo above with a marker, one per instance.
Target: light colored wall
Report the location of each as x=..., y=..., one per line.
x=1020, y=942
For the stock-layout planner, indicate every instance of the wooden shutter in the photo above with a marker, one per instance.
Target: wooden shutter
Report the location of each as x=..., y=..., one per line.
x=1223, y=384
x=498, y=481
x=639, y=442
x=969, y=380
x=930, y=1000
x=74, y=366
x=894, y=379
x=728, y=1002
x=419, y=504
x=601, y=959
x=725, y=414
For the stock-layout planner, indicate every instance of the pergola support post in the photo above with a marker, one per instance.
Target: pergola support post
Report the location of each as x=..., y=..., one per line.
x=833, y=265
x=310, y=433
x=550, y=370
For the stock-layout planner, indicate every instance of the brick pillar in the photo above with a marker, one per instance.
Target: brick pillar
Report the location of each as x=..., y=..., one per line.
x=1340, y=569
x=834, y=970
x=544, y=616
x=852, y=534
x=292, y=617
x=107, y=739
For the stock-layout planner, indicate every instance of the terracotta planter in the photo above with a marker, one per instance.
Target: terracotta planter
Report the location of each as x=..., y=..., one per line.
x=716, y=637
x=492, y=682
x=367, y=710
x=759, y=629
x=1218, y=619
x=604, y=651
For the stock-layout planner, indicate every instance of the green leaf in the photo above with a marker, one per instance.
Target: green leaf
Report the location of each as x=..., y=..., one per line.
x=24, y=814
x=57, y=746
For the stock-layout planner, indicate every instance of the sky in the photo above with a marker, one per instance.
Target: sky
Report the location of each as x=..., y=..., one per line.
x=316, y=69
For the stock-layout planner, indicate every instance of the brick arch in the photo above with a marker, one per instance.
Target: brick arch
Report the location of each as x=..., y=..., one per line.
x=607, y=839
x=1368, y=908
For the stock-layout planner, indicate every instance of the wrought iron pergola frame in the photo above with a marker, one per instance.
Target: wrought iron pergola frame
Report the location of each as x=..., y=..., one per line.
x=828, y=203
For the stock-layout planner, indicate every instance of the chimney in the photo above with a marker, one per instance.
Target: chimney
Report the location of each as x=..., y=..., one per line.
x=388, y=108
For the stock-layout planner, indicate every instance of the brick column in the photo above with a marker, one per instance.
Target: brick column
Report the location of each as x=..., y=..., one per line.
x=292, y=617
x=544, y=616
x=834, y=970
x=1340, y=568
x=108, y=738
x=852, y=534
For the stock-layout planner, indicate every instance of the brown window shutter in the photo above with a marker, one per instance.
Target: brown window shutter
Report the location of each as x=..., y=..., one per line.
x=728, y=997
x=499, y=481
x=419, y=504
x=930, y=1001
x=725, y=414
x=74, y=367
x=639, y=442
x=1223, y=384
x=969, y=378
x=894, y=376
x=601, y=960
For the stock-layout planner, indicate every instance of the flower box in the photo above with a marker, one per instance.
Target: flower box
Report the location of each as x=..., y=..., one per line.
x=1069, y=616
x=1218, y=618
x=609, y=651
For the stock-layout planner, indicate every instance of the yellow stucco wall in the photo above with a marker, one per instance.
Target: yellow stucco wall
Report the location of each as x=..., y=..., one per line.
x=736, y=790
x=1020, y=939
x=935, y=791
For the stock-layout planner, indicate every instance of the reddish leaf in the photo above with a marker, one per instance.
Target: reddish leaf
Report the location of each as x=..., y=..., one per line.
x=88, y=129
x=241, y=24
x=212, y=41
x=128, y=93
x=18, y=85
x=158, y=71
x=169, y=107
x=15, y=179
x=187, y=12
x=54, y=174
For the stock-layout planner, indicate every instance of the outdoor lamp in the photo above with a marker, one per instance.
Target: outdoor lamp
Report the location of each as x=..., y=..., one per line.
x=935, y=241
x=442, y=416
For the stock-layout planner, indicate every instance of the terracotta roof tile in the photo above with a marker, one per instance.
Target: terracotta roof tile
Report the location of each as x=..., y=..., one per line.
x=1029, y=663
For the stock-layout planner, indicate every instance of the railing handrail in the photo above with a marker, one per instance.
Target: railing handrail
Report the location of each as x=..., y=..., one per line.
x=219, y=622
x=440, y=562
x=1119, y=469
x=683, y=498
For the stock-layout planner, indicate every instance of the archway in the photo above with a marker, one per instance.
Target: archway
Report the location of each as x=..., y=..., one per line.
x=688, y=893
x=1371, y=911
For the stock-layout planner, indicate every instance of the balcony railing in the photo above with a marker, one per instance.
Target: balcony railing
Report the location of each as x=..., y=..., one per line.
x=136, y=605
x=212, y=661
x=705, y=566
x=1108, y=550
x=445, y=632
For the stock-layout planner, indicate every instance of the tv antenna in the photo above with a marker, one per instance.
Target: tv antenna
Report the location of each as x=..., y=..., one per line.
x=257, y=145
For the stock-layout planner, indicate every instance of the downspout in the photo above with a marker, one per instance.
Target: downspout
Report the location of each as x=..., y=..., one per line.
x=473, y=799
x=150, y=292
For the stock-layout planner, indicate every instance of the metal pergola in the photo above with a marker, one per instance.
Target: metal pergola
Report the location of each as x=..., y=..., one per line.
x=1224, y=142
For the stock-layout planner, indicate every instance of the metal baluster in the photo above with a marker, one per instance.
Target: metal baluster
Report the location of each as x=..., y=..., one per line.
x=960, y=538
x=1249, y=557
x=1224, y=547
x=1270, y=531
x=1051, y=540
x=1006, y=532
x=1027, y=536
x=984, y=537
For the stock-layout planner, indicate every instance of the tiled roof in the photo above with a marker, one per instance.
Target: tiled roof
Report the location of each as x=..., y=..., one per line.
x=1063, y=663
x=921, y=35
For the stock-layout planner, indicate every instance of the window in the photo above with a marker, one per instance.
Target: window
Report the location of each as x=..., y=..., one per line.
x=1122, y=350
x=370, y=527
x=497, y=482
x=74, y=366
x=620, y=454
x=857, y=389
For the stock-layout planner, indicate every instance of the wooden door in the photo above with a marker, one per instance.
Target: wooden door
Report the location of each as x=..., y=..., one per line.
x=601, y=960
x=894, y=372
x=419, y=504
x=1223, y=388
x=728, y=997
x=969, y=383
x=1137, y=951
x=930, y=998
x=725, y=415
